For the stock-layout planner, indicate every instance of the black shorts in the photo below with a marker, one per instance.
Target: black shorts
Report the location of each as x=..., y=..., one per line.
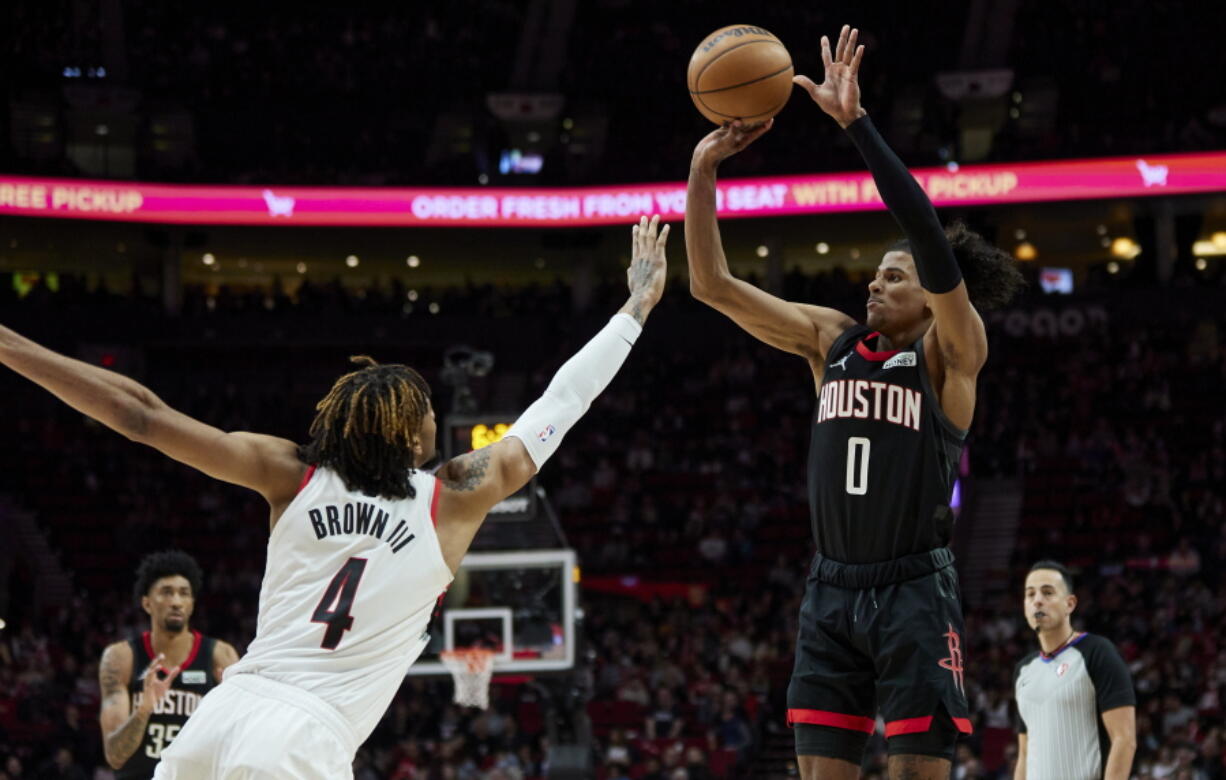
x=880, y=638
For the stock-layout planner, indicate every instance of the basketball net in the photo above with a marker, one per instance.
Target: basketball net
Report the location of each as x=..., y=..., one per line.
x=471, y=668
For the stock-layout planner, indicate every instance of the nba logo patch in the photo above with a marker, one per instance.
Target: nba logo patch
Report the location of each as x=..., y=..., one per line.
x=193, y=677
x=546, y=434
x=1061, y=669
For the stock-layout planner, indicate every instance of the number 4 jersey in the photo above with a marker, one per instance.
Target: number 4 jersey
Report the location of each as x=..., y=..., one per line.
x=194, y=680
x=883, y=457
x=349, y=588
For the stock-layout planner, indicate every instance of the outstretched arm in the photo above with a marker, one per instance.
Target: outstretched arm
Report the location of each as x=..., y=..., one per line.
x=123, y=731
x=958, y=330
x=266, y=464
x=474, y=482
x=801, y=329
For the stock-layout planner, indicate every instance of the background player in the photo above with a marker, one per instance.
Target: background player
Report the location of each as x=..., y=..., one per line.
x=1074, y=694
x=143, y=712
x=361, y=543
x=880, y=625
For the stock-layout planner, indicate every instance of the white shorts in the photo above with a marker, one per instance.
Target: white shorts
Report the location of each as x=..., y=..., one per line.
x=253, y=728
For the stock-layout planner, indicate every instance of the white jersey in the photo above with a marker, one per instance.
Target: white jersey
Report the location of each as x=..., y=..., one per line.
x=349, y=588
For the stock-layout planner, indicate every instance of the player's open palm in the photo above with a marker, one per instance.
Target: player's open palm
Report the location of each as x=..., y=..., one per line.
x=839, y=93
x=155, y=688
x=648, y=266
x=719, y=145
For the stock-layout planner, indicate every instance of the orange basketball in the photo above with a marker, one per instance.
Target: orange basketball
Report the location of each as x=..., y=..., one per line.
x=740, y=72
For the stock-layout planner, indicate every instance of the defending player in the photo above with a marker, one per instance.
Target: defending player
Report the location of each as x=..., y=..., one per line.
x=881, y=623
x=143, y=712
x=362, y=543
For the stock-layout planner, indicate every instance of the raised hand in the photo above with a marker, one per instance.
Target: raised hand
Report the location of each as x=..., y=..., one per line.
x=648, y=267
x=153, y=688
x=721, y=144
x=839, y=93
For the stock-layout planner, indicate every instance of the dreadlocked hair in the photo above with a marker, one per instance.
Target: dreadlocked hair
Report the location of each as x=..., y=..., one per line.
x=367, y=425
x=991, y=276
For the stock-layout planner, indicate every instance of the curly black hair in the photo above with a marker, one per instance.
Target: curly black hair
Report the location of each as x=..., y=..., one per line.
x=991, y=276
x=167, y=563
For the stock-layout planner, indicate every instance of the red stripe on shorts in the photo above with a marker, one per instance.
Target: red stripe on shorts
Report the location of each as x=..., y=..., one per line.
x=919, y=725
x=908, y=726
x=836, y=719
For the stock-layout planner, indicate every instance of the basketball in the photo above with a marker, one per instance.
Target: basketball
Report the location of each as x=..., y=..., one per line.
x=740, y=72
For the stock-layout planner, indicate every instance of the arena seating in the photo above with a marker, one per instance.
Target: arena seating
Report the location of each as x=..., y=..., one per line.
x=1117, y=432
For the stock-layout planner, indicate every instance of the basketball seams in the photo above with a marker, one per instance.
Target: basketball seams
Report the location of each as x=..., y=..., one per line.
x=716, y=58
x=732, y=116
x=743, y=83
x=742, y=99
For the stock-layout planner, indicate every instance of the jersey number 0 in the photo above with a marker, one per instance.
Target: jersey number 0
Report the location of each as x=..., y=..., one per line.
x=857, y=454
x=340, y=592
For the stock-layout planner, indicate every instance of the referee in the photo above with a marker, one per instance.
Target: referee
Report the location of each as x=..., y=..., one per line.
x=1074, y=695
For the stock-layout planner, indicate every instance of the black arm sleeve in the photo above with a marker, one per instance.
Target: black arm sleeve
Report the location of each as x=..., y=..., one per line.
x=907, y=202
x=1110, y=675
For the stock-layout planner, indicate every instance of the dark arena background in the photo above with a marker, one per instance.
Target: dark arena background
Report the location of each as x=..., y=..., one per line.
x=451, y=185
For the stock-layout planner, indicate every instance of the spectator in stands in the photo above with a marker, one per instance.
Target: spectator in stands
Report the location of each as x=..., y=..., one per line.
x=46, y=672
x=665, y=718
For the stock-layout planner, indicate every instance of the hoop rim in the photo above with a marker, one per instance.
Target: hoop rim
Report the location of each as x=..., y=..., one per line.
x=464, y=652
x=476, y=660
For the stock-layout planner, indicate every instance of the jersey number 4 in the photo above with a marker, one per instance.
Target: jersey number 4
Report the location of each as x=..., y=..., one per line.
x=857, y=465
x=333, y=608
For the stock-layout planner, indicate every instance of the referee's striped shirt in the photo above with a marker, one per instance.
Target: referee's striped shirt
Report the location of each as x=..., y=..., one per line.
x=1061, y=699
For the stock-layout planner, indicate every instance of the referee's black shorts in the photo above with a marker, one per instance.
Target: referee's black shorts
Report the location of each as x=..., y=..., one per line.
x=886, y=638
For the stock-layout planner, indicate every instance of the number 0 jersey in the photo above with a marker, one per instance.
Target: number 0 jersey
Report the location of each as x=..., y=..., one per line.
x=349, y=588
x=194, y=680
x=883, y=456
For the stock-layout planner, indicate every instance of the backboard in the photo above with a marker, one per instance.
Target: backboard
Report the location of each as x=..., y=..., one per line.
x=521, y=604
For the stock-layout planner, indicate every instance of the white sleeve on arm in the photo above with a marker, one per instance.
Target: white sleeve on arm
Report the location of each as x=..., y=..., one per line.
x=577, y=383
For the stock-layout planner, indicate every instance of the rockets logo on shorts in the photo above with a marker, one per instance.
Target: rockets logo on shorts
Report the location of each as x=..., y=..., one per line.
x=954, y=662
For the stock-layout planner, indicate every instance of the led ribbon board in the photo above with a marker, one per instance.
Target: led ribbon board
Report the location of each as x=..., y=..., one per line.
x=970, y=185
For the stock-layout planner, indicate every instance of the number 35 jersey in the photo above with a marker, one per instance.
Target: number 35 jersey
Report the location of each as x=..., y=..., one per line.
x=349, y=588
x=186, y=690
x=883, y=457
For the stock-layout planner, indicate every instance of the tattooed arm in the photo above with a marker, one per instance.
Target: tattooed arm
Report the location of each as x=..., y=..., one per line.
x=645, y=276
x=473, y=483
x=122, y=730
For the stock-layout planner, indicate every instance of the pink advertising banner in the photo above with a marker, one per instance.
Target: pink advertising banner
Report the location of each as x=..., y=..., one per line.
x=971, y=185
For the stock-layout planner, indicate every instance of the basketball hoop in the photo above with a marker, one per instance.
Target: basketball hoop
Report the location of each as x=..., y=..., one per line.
x=471, y=668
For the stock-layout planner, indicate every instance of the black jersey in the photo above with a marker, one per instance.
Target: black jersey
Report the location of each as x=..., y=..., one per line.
x=194, y=680
x=883, y=457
